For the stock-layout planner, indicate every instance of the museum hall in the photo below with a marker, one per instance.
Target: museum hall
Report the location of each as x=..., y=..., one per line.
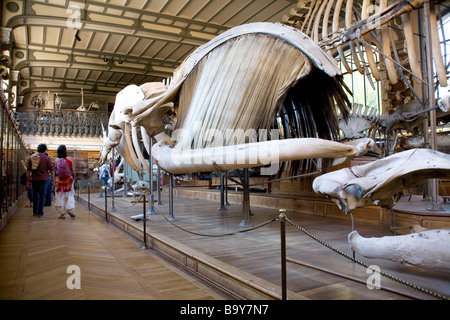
x=258, y=150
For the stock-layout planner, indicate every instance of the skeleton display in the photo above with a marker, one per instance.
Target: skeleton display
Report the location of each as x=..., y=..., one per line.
x=241, y=80
x=214, y=118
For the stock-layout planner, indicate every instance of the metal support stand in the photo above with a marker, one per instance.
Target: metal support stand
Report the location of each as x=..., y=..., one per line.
x=222, y=192
x=125, y=184
x=101, y=193
x=89, y=196
x=282, y=218
x=171, y=216
x=159, y=203
x=144, y=221
x=113, y=187
x=151, y=209
x=226, y=189
x=246, y=203
x=436, y=205
x=106, y=204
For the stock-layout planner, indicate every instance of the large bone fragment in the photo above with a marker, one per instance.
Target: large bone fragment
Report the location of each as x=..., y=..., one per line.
x=244, y=155
x=129, y=154
x=428, y=249
x=137, y=149
x=382, y=179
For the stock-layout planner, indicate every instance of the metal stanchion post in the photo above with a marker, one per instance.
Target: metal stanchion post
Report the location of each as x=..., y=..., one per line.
x=226, y=189
x=125, y=184
x=101, y=193
x=171, y=217
x=113, y=208
x=145, y=221
x=222, y=193
x=89, y=196
x=282, y=218
x=106, y=204
x=246, y=203
x=159, y=203
x=151, y=209
x=113, y=187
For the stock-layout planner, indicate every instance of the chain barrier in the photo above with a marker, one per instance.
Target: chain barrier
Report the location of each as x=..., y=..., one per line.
x=386, y=275
x=218, y=235
x=137, y=201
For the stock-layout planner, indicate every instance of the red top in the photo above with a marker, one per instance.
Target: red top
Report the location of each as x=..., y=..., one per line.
x=64, y=185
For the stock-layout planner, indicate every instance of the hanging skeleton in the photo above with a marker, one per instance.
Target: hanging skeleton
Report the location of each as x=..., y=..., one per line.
x=255, y=69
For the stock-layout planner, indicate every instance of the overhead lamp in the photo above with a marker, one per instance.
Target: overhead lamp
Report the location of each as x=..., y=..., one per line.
x=120, y=61
x=105, y=59
x=77, y=36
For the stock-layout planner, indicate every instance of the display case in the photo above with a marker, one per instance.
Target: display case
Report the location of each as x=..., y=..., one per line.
x=12, y=151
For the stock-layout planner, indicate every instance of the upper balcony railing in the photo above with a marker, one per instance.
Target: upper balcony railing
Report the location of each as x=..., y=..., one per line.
x=61, y=123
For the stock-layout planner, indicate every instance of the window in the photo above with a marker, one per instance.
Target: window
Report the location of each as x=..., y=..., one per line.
x=365, y=89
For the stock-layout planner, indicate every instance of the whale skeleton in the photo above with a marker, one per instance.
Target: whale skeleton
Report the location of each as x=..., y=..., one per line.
x=246, y=71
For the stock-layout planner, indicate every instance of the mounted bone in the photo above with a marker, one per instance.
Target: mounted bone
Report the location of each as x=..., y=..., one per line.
x=245, y=155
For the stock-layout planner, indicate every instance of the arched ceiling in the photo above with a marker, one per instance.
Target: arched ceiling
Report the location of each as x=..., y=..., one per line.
x=120, y=42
